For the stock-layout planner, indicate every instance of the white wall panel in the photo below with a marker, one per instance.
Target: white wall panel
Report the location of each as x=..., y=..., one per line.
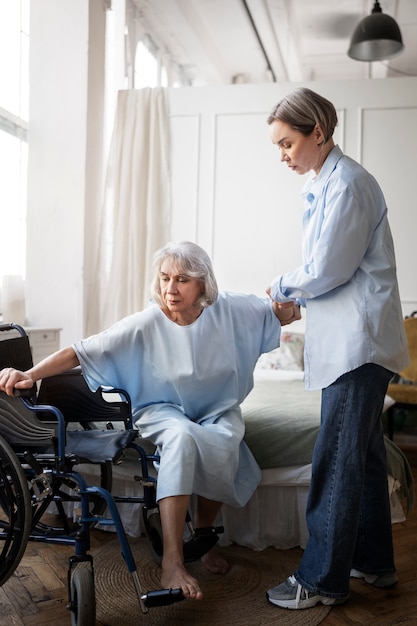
x=389, y=139
x=257, y=210
x=184, y=176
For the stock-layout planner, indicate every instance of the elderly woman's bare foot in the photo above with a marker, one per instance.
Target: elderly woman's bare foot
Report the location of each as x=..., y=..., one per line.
x=213, y=562
x=175, y=576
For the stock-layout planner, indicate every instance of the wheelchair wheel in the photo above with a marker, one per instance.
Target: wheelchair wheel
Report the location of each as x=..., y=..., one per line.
x=15, y=511
x=51, y=515
x=83, y=600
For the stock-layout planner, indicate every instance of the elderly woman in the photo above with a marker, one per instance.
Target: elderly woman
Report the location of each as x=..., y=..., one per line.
x=187, y=363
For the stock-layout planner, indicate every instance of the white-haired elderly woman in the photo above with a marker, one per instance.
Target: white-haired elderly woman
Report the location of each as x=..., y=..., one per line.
x=187, y=363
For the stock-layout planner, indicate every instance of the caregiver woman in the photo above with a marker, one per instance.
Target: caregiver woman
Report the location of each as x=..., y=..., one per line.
x=354, y=341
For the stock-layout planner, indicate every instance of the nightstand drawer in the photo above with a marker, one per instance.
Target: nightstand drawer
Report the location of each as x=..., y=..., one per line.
x=37, y=337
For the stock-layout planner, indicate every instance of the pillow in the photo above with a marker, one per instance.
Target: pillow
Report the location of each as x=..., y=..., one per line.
x=289, y=356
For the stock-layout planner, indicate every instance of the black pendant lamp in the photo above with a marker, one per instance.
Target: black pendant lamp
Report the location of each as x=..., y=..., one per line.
x=376, y=38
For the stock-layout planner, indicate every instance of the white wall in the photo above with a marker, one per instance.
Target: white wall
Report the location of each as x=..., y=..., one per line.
x=232, y=194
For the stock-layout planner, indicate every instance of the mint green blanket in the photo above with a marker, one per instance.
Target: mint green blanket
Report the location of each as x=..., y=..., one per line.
x=282, y=421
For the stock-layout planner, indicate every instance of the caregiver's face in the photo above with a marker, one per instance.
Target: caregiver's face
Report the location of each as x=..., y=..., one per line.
x=301, y=153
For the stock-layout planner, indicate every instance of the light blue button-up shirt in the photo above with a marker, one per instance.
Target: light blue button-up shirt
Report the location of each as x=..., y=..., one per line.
x=348, y=280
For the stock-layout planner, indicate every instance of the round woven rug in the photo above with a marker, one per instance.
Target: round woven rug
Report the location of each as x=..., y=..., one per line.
x=237, y=597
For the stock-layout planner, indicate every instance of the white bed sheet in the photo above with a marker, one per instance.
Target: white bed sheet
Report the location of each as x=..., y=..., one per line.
x=275, y=515
x=266, y=374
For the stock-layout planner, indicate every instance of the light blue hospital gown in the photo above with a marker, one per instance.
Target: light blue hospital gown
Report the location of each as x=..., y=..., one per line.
x=186, y=384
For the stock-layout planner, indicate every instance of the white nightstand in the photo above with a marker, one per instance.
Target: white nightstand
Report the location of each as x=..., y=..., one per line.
x=43, y=341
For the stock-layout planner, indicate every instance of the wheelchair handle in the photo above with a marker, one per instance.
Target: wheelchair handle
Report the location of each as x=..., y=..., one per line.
x=162, y=597
x=24, y=393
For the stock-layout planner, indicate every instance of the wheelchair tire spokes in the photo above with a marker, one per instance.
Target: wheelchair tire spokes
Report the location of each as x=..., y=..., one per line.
x=15, y=511
x=51, y=516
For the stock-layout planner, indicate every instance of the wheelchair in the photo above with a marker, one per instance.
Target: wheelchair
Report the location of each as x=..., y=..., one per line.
x=45, y=435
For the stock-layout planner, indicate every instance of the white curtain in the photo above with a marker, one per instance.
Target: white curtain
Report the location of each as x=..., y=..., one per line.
x=135, y=218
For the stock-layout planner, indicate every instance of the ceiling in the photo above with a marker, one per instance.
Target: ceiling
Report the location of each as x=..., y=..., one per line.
x=215, y=41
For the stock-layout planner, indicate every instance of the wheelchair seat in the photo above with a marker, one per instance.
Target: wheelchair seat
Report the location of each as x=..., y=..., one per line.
x=69, y=393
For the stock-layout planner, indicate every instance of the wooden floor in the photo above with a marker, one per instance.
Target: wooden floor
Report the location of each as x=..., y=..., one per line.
x=37, y=594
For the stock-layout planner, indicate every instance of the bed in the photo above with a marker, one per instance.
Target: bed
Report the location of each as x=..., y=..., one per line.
x=282, y=422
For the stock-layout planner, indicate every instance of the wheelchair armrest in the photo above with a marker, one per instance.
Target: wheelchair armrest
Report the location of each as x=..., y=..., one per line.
x=59, y=418
x=70, y=393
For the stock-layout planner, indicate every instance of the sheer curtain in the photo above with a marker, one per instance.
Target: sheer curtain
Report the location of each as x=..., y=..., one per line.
x=135, y=219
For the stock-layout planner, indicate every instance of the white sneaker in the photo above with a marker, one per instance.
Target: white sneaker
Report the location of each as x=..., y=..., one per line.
x=291, y=595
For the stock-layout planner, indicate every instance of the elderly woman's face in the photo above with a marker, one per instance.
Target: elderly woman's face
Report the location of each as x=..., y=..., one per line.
x=179, y=291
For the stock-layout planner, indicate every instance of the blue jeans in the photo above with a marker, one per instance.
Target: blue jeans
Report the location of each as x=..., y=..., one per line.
x=348, y=510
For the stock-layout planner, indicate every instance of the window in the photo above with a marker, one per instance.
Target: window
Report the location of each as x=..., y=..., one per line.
x=14, y=115
x=149, y=72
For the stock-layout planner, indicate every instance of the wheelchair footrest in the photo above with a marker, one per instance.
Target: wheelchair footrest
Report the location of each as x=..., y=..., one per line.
x=208, y=530
x=162, y=597
x=203, y=540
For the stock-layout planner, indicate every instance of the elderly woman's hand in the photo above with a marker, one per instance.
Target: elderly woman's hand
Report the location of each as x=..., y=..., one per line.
x=286, y=312
x=11, y=378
